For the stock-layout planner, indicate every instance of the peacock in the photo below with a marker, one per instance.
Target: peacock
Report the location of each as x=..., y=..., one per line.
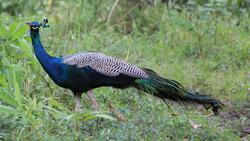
x=83, y=72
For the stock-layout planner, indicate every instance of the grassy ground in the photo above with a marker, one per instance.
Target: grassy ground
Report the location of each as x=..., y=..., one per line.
x=205, y=52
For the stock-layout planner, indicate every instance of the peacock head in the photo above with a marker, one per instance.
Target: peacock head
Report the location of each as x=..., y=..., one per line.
x=34, y=26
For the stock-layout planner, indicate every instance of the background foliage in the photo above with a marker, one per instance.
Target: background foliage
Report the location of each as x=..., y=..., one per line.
x=203, y=44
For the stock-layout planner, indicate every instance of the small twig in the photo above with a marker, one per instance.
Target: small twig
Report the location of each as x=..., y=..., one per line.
x=111, y=12
x=169, y=107
x=216, y=28
x=77, y=131
x=47, y=83
x=119, y=116
x=98, y=122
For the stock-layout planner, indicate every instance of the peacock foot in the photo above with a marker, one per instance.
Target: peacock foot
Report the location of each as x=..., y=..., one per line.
x=95, y=106
x=78, y=108
x=92, y=98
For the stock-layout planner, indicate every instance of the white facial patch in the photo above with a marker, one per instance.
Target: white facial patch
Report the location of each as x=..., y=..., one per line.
x=34, y=27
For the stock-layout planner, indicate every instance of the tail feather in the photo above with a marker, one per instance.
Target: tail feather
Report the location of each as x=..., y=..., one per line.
x=173, y=90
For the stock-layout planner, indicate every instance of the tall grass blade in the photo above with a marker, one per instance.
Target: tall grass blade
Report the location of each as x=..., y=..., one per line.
x=7, y=109
x=17, y=92
x=7, y=98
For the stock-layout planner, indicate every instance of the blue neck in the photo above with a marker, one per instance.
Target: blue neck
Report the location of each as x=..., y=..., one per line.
x=43, y=57
x=50, y=64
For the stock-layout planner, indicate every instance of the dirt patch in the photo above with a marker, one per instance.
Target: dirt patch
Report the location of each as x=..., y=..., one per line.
x=240, y=116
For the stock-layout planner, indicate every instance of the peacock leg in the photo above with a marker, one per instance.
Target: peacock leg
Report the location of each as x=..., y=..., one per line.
x=78, y=102
x=93, y=100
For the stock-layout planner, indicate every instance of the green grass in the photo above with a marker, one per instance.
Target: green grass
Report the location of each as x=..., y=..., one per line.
x=210, y=55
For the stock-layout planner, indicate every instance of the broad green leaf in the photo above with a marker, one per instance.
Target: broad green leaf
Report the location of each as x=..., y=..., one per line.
x=17, y=92
x=105, y=116
x=7, y=109
x=6, y=63
x=87, y=116
x=20, y=32
x=2, y=30
x=7, y=98
x=3, y=82
x=55, y=103
x=12, y=30
x=25, y=48
x=14, y=46
x=84, y=116
x=55, y=113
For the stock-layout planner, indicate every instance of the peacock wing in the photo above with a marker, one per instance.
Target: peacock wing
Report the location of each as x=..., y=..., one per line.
x=103, y=64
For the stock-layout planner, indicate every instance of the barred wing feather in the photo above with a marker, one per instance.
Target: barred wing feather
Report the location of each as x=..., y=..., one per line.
x=105, y=64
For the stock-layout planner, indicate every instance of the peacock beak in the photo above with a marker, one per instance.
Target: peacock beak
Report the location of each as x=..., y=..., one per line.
x=28, y=23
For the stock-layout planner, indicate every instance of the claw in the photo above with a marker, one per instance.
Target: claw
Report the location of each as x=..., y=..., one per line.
x=215, y=105
x=78, y=109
